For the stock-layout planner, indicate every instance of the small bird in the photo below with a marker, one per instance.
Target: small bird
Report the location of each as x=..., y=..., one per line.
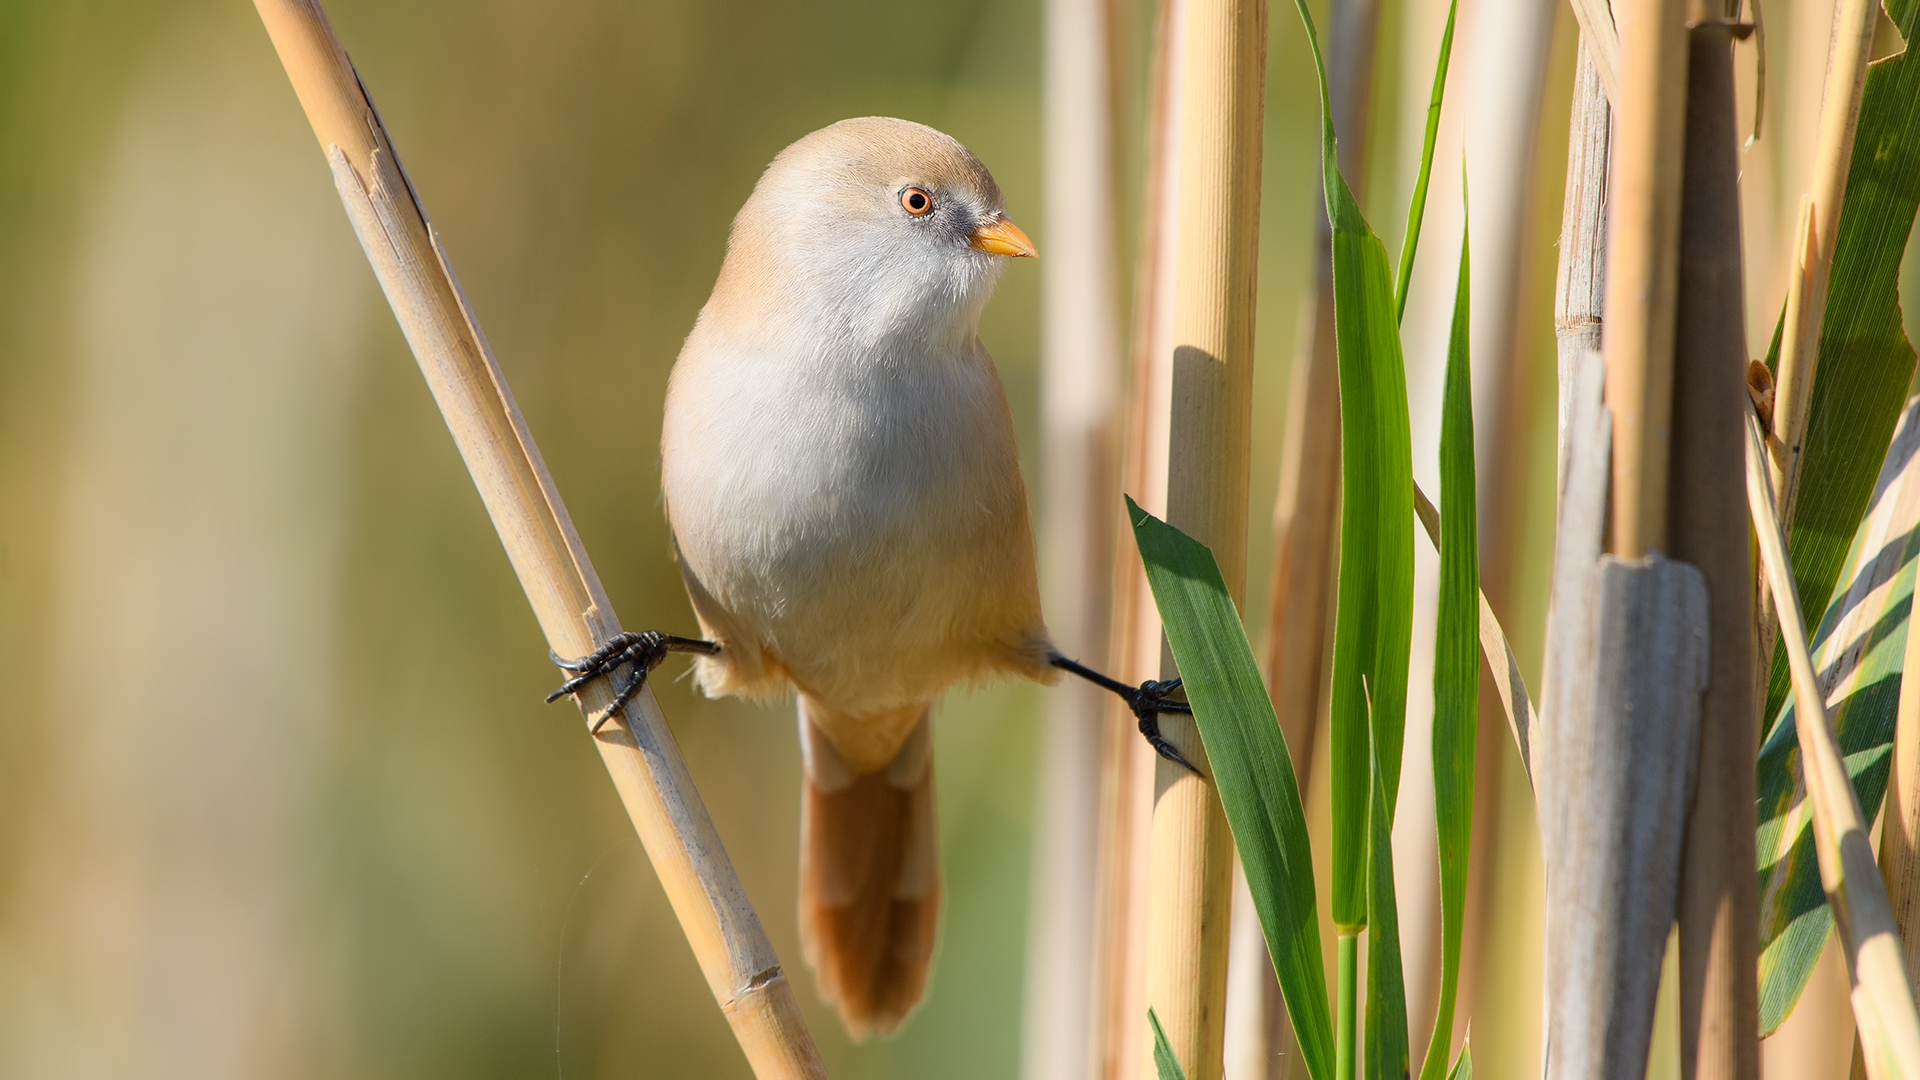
x=844, y=493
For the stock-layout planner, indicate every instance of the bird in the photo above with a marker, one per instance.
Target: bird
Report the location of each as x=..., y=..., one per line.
x=842, y=484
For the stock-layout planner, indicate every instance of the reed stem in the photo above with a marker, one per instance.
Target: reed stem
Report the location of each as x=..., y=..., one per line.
x=565, y=593
x=1813, y=246
x=1136, y=649
x=1079, y=388
x=1719, y=901
x=1642, y=265
x=1189, y=902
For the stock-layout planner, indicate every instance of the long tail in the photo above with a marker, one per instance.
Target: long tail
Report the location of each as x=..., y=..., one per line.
x=869, y=873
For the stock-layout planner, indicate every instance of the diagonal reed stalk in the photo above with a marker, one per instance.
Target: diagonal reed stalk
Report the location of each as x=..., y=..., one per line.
x=565, y=593
x=1883, y=999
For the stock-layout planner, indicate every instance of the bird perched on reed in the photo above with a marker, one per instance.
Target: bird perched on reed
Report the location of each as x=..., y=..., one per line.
x=844, y=492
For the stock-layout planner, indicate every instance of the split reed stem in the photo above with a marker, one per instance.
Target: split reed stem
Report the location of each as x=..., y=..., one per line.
x=565, y=593
x=1813, y=245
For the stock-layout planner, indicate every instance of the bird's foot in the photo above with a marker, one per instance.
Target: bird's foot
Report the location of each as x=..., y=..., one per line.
x=644, y=650
x=1148, y=701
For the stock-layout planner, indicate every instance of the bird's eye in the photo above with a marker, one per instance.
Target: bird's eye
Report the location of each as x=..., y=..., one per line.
x=916, y=201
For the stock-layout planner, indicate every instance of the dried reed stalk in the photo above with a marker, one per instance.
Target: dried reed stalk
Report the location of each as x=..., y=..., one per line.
x=1813, y=245
x=1580, y=283
x=1119, y=1026
x=1642, y=259
x=1719, y=901
x=639, y=752
x=1600, y=40
x=1223, y=74
x=1079, y=376
x=1883, y=996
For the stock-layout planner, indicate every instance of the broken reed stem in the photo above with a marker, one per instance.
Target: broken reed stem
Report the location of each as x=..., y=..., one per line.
x=1119, y=1021
x=1642, y=262
x=639, y=752
x=1883, y=999
x=1600, y=41
x=1813, y=244
x=1080, y=358
x=1190, y=876
x=1719, y=900
x=1580, y=283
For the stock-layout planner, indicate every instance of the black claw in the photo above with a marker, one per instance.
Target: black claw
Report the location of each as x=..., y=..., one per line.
x=644, y=650
x=1147, y=703
x=1150, y=730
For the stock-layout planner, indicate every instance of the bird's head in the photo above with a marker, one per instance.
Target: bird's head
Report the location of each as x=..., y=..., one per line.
x=881, y=228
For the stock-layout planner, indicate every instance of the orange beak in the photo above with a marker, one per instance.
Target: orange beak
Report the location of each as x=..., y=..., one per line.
x=1002, y=237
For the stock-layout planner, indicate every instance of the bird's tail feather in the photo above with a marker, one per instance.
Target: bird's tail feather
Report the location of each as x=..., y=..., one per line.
x=869, y=874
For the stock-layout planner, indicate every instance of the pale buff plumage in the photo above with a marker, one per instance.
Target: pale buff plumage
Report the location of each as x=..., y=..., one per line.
x=845, y=495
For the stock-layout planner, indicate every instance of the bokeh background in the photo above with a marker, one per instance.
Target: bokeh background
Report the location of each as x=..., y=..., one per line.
x=278, y=796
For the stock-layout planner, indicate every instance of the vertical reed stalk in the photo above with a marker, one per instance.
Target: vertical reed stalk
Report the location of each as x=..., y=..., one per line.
x=1813, y=243
x=1581, y=282
x=1127, y=765
x=1642, y=258
x=1080, y=358
x=639, y=751
x=1191, y=860
x=1719, y=902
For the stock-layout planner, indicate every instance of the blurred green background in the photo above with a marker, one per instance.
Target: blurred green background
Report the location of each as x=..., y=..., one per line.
x=278, y=796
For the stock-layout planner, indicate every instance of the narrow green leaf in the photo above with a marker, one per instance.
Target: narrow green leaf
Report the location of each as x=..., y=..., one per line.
x=1860, y=647
x=1463, y=1069
x=1866, y=360
x=1251, y=768
x=1417, y=207
x=1164, y=1061
x=1386, y=1029
x=1456, y=666
x=1373, y=621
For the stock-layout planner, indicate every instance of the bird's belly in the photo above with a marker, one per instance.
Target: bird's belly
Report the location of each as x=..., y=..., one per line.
x=875, y=545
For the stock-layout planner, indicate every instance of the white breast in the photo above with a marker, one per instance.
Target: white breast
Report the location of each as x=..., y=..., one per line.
x=857, y=517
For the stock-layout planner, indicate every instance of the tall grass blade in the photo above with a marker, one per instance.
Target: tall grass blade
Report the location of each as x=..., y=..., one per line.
x=1166, y=1063
x=1866, y=360
x=1373, y=623
x=1417, y=207
x=1387, y=1053
x=1251, y=768
x=1456, y=667
x=1860, y=648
